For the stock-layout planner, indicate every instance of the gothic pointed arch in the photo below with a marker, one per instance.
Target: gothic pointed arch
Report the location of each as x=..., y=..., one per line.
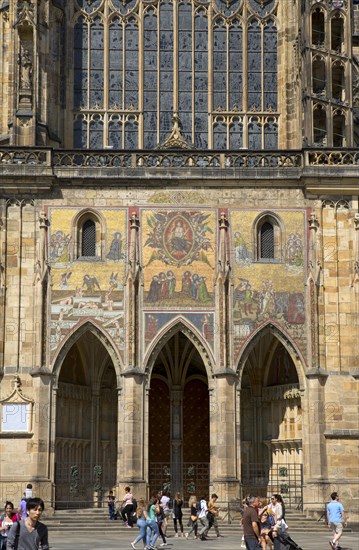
x=93, y=331
x=284, y=339
x=180, y=324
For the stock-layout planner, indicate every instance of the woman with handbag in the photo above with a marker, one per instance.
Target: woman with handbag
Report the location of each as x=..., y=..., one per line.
x=192, y=504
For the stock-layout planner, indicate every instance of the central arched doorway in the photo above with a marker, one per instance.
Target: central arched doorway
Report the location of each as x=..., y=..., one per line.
x=271, y=422
x=179, y=420
x=86, y=425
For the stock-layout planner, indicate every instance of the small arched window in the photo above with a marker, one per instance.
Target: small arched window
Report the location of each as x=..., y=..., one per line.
x=88, y=239
x=269, y=238
x=267, y=241
x=88, y=236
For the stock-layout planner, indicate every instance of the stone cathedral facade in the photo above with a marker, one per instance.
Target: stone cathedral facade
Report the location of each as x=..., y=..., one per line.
x=179, y=249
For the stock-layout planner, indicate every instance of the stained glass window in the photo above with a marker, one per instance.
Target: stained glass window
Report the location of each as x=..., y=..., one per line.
x=137, y=64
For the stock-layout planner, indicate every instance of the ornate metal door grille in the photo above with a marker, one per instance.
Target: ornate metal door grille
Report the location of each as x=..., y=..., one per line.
x=264, y=480
x=82, y=486
x=194, y=479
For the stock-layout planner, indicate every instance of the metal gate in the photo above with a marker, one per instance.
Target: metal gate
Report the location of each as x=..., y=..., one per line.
x=82, y=485
x=192, y=480
x=264, y=480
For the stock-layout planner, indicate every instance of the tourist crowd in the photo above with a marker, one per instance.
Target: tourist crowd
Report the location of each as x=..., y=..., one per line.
x=264, y=525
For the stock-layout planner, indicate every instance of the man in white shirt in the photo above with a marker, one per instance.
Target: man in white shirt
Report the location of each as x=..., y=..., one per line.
x=202, y=516
x=165, y=499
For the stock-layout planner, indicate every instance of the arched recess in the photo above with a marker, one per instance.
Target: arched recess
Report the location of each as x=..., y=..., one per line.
x=180, y=324
x=94, y=332
x=178, y=418
x=272, y=384
x=85, y=397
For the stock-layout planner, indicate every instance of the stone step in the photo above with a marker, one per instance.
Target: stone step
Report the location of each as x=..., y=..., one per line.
x=224, y=529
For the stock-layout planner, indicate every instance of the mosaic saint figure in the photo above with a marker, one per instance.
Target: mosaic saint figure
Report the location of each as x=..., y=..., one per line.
x=154, y=291
x=203, y=294
x=186, y=283
x=116, y=253
x=171, y=283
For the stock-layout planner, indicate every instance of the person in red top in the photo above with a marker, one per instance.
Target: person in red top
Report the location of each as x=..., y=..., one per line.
x=6, y=522
x=251, y=528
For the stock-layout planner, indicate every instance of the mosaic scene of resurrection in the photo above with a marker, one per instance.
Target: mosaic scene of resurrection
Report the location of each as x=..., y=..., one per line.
x=268, y=290
x=87, y=288
x=178, y=258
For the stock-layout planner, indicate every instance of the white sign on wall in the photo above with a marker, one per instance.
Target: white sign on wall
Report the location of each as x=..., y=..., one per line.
x=15, y=417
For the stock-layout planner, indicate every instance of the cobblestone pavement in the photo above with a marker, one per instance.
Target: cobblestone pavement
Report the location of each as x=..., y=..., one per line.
x=313, y=541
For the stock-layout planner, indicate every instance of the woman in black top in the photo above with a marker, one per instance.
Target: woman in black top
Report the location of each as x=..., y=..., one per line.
x=177, y=513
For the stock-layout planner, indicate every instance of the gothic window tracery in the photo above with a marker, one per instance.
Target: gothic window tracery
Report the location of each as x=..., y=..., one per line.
x=137, y=63
x=330, y=75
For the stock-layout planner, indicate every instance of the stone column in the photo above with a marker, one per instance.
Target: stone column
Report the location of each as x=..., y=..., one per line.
x=95, y=416
x=224, y=474
x=176, y=438
x=39, y=447
x=131, y=441
x=314, y=445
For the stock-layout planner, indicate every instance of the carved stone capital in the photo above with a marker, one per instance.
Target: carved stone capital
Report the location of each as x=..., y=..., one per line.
x=134, y=221
x=313, y=222
x=43, y=220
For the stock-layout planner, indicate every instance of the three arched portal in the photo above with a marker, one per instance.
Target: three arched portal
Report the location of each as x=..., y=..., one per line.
x=178, y=411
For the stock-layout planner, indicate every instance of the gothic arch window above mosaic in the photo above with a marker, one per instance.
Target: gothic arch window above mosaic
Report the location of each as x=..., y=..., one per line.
x=268, y=233
x=88, y=236
x=206, y=66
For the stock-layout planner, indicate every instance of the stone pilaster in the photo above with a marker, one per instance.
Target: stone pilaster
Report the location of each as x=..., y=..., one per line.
x=222, y=293
x=314, y=447
x=132, y=446
x=224, y=476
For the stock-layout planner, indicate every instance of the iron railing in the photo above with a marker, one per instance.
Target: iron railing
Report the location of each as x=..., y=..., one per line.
x=61, y=159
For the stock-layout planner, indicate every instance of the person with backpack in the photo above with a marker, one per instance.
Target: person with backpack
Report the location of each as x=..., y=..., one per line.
x=29, y=533
x=6, y=521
